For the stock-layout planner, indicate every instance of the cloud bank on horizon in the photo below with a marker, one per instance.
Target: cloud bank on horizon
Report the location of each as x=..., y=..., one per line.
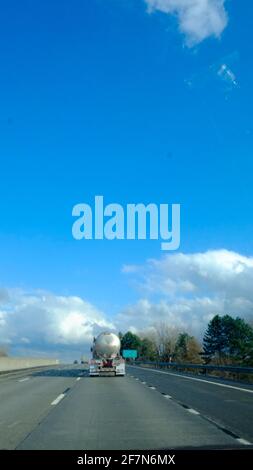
x=198, y=19
x=183, y=290
x=187, y=290
x=31, y=321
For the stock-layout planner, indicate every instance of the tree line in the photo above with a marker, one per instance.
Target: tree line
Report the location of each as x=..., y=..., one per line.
x=227, y=340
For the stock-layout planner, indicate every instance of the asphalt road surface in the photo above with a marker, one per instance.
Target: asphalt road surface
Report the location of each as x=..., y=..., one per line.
x=63, y=408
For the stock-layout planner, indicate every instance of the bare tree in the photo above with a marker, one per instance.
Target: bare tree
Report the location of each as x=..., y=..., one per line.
x=165, y=338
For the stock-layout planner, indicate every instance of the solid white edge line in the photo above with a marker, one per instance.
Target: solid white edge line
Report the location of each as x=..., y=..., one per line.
x=244, y=442
x=194, y=412
x=78, y=378
x=197, y=380
x=24, y=380
x=58, y=399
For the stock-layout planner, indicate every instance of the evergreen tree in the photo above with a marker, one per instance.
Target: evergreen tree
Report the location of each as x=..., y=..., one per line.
x=214, y=342
x=130, y=341
x=240, y=339
x=230, y=339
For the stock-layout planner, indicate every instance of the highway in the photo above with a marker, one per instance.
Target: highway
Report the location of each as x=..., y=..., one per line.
x=62, y=408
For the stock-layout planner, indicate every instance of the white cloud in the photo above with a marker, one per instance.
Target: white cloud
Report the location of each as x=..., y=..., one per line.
x=25, y=340
x=186, y=290
x=182, y=290
x=2, y=320
x=190, y=315
x=218, y=271
x=226, y=74
x=3, y=295
x=129, y=268
x=198, y=19
x=44, y=320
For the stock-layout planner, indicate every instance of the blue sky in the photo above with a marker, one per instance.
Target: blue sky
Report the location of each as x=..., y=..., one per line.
x=104, y=97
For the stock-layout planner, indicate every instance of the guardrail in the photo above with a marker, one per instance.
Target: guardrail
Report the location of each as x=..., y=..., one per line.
x=203, y=368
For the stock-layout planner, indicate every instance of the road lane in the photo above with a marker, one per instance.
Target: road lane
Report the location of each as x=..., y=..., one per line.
x=121, y=413
x=229, y=407
x=24, y=403
x=63, y=408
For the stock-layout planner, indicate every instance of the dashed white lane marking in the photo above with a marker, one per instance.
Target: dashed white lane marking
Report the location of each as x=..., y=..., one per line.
x=78, y=378
x=58, y=399
x=144, y=383
x=200, y=380
x=24, y=380
x=12, y=424
x=194, y=412
x=244, y=442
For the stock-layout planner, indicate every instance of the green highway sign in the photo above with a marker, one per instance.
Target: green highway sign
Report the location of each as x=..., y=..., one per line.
x=129, y=353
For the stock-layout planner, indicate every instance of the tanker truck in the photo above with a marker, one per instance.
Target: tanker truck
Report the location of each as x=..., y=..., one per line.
x=106, y=359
